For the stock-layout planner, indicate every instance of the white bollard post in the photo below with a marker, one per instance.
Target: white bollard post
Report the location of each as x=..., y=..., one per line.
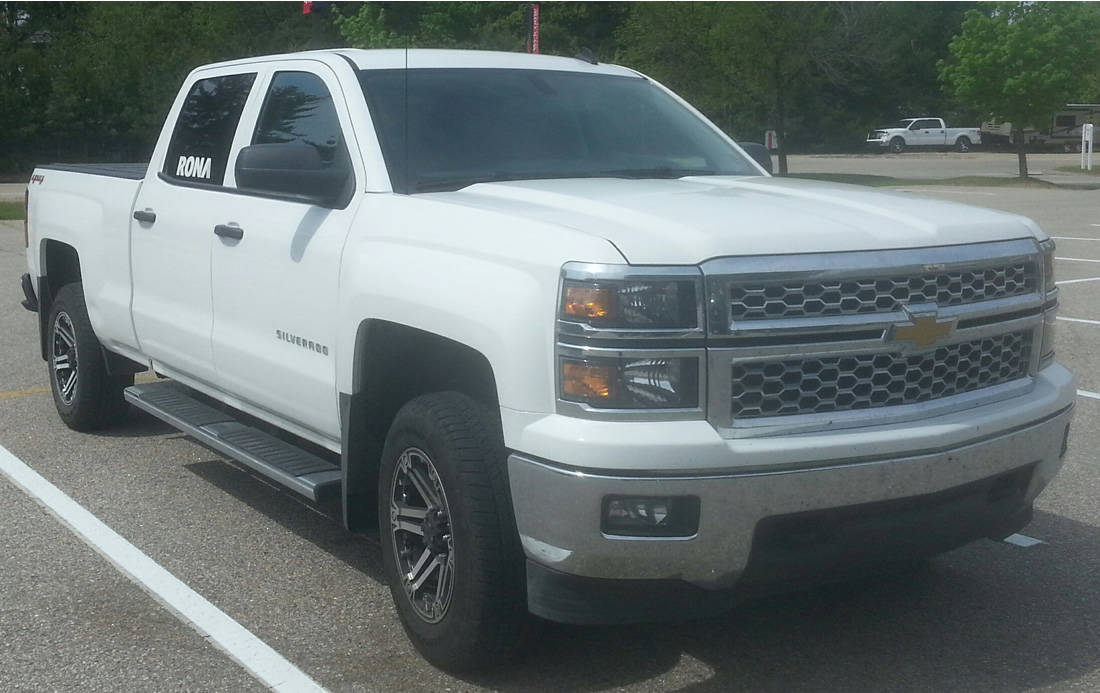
x=1087, y=141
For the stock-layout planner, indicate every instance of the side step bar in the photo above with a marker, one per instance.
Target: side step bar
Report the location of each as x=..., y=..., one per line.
x=278, y=460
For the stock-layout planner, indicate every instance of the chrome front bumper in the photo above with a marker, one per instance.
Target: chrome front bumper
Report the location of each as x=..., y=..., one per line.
x=558, y=507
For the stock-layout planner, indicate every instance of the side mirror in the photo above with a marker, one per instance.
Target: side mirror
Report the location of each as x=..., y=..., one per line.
x=759, y=154
x=292, y=169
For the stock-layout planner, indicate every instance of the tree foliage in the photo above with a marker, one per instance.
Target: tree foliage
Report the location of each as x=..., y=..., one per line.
x=753, y=58
x=93, y=81
x=1021, y=61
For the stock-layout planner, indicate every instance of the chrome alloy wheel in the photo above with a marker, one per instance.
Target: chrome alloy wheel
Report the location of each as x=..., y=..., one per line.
x=420, y=527
x=64, y=360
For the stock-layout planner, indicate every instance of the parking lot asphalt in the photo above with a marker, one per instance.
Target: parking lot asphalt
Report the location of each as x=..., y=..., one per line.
x=987, y=617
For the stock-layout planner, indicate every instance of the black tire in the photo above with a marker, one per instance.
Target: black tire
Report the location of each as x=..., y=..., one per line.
x=962, y=145
x=87, y=398
x=897, y=145
x=451, y=551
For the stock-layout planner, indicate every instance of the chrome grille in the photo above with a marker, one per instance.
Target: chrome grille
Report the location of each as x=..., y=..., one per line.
x=814, y=385
x=763, y=300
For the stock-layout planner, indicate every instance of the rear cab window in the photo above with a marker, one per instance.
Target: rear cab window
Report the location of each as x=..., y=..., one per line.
x=203, y=135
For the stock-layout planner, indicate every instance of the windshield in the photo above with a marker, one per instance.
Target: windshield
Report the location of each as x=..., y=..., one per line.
x=467, y=126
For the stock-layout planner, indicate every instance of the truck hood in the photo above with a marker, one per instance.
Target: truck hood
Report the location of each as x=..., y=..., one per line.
x=690, y=220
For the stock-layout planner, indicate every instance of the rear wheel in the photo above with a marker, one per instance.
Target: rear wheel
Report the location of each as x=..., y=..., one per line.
x=86, y=396
x=449, y=541
x=962, y=144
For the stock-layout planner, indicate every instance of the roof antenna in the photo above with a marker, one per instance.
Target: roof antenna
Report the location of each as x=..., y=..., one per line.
x=587, y=56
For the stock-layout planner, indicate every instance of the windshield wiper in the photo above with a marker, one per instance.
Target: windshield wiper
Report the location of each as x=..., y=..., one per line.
x=460, y=182
x=662, y=172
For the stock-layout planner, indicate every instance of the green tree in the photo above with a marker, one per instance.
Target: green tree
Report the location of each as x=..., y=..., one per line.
x=93, y=81
x=565, y=27
x=485, y=25
x=752, y=61
x=1021, y=61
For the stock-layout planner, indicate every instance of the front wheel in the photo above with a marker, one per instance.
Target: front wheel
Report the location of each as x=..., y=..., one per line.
x=86, y=396
x=897, y=145
x=451, y=551
x=962, y=145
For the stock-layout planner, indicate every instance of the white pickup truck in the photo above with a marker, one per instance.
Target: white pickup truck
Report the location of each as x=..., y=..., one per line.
x=574, y=352
x=923, y=132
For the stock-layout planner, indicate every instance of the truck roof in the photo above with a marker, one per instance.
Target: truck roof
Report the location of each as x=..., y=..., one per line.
x=397, y=58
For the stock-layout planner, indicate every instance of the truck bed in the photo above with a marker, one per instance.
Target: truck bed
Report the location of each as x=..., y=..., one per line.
x=128, y=171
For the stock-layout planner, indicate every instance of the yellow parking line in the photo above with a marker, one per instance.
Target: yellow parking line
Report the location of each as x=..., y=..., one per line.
x=148, y=378
x=22, y=393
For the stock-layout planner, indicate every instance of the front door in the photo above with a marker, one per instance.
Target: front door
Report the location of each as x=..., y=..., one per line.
x=276, y=274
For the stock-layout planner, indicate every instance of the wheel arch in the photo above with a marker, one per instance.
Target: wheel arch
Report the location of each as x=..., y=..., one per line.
x=393, y=364
x=59, y=265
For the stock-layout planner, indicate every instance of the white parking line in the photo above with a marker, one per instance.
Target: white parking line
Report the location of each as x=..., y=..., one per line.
x=1086, y=393
x=1075, y=259
x=1077, y=281
x=1024, y=541
x=258, y=658
x=1087, y=322
x=1073, y=238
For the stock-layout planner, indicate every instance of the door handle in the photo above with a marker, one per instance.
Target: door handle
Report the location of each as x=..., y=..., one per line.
x=226, y=231
x=147, y=216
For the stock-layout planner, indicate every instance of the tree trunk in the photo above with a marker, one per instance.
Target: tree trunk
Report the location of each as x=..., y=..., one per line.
x=1021, y=152
x=781, y=129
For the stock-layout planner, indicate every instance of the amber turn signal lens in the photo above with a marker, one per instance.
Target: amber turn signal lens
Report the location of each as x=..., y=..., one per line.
x=589, y=302
x=587, y=382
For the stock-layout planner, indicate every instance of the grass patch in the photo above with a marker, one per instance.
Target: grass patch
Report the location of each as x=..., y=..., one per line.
x=11, y=211
x=1080, y=171
x=889, y=181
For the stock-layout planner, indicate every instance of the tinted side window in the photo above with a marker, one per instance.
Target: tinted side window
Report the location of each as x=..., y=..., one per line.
x=199, y=149
x=299, y=108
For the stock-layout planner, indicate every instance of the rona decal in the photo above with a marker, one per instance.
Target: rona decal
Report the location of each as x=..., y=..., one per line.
x=193, y=167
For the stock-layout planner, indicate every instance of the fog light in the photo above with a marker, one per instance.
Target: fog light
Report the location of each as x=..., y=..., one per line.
x=650, y=516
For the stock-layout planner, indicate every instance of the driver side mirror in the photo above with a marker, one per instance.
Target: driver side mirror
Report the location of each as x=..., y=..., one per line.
x=290, y=169
x=759, y=154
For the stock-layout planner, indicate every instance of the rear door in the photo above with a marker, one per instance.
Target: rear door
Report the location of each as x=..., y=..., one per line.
x=276, y=283
x=175, y=212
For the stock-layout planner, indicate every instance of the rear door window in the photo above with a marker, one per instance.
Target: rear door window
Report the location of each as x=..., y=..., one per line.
x=199, y=149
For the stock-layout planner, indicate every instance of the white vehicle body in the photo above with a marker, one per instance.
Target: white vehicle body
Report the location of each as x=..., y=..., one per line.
x=923, y=132
x=797, y=399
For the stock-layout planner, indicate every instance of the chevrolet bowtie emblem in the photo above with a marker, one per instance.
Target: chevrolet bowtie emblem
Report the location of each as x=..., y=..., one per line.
x=923, y=330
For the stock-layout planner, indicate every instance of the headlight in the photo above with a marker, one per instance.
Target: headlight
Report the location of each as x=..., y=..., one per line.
x=630, y=342
x=631, y=383
x=628, y=304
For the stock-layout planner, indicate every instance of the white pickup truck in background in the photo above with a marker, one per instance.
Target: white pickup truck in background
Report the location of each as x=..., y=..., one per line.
x=552, y=335
x=922, y=132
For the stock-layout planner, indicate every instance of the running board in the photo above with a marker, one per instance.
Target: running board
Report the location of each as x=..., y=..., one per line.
x=278, y=460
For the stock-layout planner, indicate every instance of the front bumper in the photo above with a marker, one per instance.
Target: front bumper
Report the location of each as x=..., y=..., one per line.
x=938, y=496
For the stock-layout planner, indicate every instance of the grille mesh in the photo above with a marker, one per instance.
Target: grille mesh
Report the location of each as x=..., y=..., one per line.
x=866, y=381
x=801, y=299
